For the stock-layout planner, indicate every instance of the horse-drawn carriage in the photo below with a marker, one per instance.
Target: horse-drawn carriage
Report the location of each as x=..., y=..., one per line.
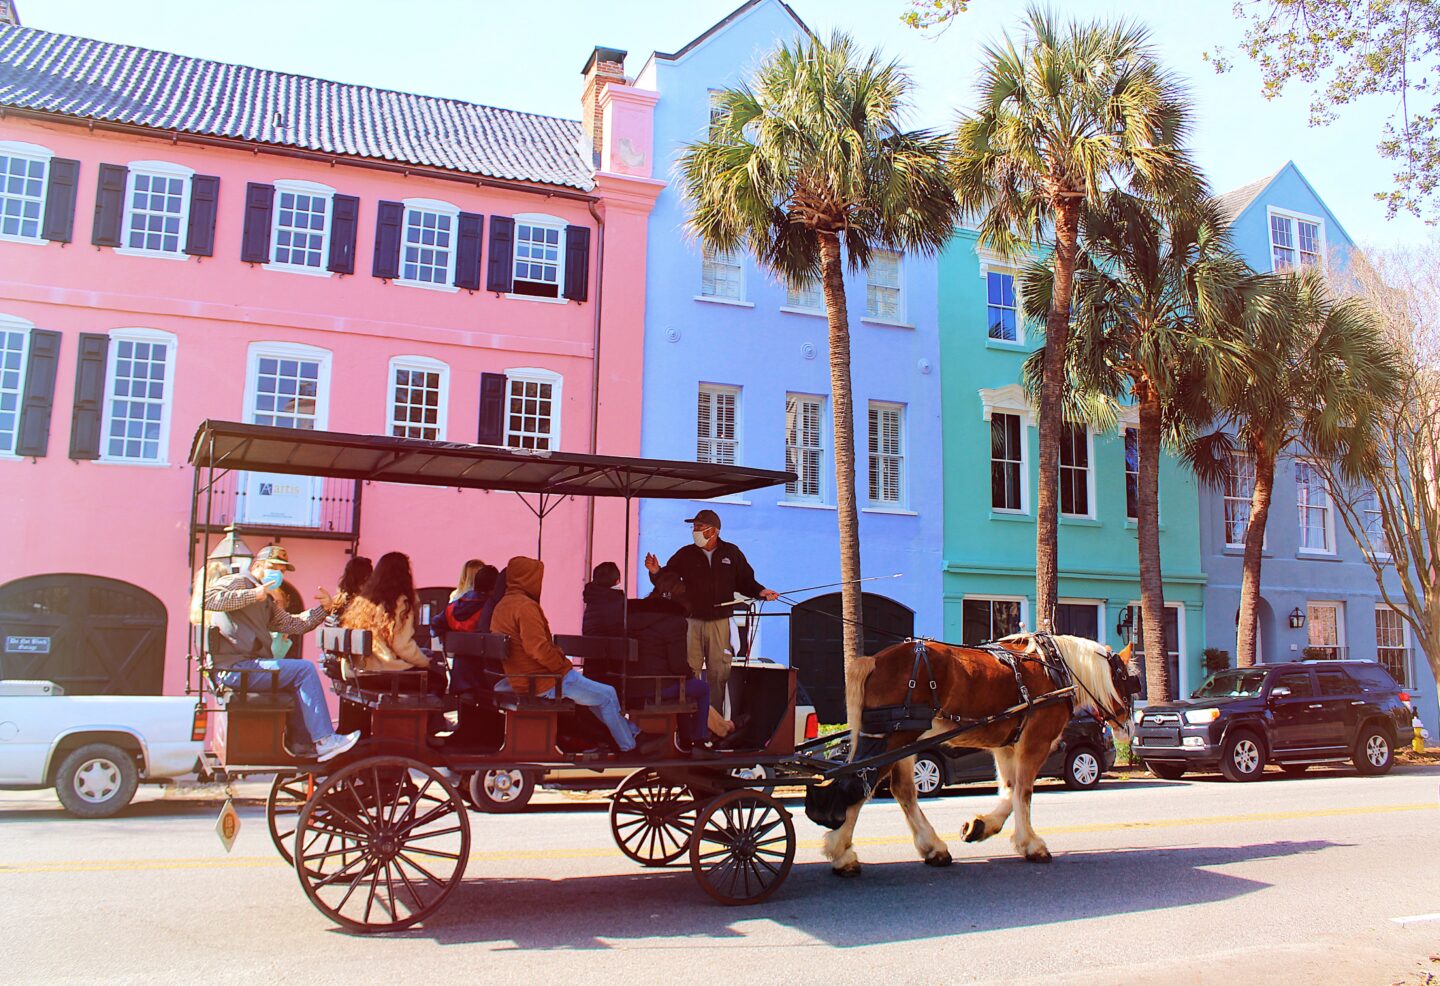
x=380, y=837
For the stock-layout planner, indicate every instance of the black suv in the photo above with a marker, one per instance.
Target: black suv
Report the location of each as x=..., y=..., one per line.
x=1293, y=715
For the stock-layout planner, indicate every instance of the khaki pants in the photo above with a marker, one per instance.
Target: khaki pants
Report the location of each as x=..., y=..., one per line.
x=709, y=649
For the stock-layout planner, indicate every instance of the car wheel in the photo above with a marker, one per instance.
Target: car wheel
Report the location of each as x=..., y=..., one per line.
x=1294, y=769
x=96, y=780
x=1243, y=757
x=1373, y=752
x=1082, y=769
x=1166, y=771
x=502, y=790
x=929, y=775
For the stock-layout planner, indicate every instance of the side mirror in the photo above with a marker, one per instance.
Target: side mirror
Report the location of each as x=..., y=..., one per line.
x=1280, y=692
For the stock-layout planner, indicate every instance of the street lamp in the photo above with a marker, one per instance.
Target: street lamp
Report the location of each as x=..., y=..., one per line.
x=1125, y=624
x=1297, y=619
x=233, y=551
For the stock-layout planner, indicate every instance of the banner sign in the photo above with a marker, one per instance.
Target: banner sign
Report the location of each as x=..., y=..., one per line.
x=281, y=500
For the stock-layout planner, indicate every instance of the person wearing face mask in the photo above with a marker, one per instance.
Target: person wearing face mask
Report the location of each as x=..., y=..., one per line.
x=243, y=611
x=713, y=572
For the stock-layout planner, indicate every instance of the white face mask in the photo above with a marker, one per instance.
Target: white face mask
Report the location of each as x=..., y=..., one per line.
x=700, y=539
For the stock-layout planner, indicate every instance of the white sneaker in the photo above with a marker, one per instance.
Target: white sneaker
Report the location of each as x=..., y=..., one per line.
x=336, y=744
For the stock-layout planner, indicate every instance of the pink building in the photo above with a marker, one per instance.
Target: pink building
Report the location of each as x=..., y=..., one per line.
x=183, y=239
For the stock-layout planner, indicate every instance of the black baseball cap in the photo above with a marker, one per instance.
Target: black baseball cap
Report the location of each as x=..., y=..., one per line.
x=707, y=517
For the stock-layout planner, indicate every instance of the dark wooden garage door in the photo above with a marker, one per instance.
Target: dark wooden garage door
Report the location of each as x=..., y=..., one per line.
x=91, y=635
x=817, y=644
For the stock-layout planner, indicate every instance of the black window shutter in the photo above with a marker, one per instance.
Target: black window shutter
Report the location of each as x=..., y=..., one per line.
x=389, y=218
x=468, y=241
x=255, y=240
x=109, y=205
x=344, y=222
x=89, y=408
x=59, y=224
x=492, y=409
x=577, y=262
x=204, y=199
x=33, y=438
x=501, y=273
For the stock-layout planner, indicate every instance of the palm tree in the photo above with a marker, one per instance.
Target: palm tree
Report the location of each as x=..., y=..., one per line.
x=809, y=167
x=1066, y=113
x=1160, y=296
x=1320, y=370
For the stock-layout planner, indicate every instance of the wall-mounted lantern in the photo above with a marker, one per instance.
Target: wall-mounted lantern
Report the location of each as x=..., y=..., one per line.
x=1297, y=619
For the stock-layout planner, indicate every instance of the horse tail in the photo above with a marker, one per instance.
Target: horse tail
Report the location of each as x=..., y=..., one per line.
x=857, y=672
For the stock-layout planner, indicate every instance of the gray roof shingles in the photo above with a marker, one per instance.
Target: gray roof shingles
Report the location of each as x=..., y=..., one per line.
x=91, y=79
x=1237, y=200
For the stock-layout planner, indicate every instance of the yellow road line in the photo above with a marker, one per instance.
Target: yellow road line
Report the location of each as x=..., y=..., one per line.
x=600, y=852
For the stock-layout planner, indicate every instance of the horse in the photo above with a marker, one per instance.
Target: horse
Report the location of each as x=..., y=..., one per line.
x=952, y=684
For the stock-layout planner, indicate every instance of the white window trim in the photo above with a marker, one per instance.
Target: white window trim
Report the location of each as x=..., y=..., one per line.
x=30, y=152
x=14, y=323
x=1089, y=478
x=304, y=188
x=902, y=304
x=797, y=499
x=1405, y=644
x=166, y=170
x=1224, y=525
x=977, y=597
x=739, y=393
x=901, y=505
x=1010, y=399
x=425, y=364
x=171, y=342
x=1184, y=685
x=1380, y=556
x=720, y=299
x=987, y=268
x=1329, y=516
x=289, y=350
x=1339, y=607
x=1101, y=611
x=535, y=374
x=445, y=208
x=1291, y=215
x=552, y=222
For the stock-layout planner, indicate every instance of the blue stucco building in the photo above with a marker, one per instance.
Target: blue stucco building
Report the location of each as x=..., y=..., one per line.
x=1313, y=572
x=736, y=368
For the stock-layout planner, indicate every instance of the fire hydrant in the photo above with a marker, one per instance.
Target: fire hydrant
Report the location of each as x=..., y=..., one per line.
x=1418, y=743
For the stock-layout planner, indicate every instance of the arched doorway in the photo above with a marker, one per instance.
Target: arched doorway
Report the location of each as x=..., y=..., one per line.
x=817, y=644
x=90, y=635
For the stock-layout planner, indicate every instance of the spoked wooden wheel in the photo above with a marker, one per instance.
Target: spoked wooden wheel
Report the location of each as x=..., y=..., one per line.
x=288, y=794
x=398, y=837
x=743, y=847
x=652, y=818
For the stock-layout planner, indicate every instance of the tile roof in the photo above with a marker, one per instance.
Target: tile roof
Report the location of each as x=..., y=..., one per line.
x=1237, y=200
x=99, y=80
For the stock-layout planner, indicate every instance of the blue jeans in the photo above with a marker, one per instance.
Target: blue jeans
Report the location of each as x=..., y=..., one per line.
x=697, y=690
x=601, y=698
x=310, y=717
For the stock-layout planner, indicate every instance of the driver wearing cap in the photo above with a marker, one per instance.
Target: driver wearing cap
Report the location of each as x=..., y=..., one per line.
x=713, y=571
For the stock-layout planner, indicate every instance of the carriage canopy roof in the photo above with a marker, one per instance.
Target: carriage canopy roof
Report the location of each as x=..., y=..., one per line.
x=265, y=448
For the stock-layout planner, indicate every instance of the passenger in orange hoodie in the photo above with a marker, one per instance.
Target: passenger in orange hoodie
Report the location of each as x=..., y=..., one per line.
x=533, y=652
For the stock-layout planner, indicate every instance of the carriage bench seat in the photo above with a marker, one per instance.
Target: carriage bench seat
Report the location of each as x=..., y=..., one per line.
x=512, y=702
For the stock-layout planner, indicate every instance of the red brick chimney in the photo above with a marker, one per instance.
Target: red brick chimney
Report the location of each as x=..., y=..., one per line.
x=605, y=65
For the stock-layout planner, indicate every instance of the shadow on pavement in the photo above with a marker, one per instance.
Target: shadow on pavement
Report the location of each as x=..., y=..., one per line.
x=972, y=895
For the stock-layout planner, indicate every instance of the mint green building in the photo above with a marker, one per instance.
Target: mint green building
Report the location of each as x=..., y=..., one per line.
x=990, y=474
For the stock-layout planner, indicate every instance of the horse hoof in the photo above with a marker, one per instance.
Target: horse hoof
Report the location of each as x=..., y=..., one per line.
x=847, y=872
x=938, y=859
x=974, y=830
x=1039, y=856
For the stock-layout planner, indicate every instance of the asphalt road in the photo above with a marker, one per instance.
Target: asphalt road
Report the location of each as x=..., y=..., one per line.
x=1289, y=880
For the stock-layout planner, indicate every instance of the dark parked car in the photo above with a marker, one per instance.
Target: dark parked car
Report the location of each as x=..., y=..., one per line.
x=1085, y=751
x=1293, y=715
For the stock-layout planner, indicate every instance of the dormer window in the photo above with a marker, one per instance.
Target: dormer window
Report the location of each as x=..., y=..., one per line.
x=1296, y=241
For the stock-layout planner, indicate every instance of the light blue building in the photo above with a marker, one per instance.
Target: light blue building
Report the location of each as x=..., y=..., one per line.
x=736, y=368
x=1317, y=589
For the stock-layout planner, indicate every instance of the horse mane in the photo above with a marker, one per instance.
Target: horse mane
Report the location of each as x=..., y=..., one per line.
x=1087, y=663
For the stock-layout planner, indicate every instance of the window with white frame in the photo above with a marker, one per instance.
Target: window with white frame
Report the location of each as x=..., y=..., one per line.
x=986, y=618
x=721, y=275
x=157, y=207
x=1238, y=486
x=419, y=389
x=1000, y=309
x=717, y=425
x=1132, y=473
x=1373, y=523
x=1007, y=462
x=1296, y=241
x=1172, y=644
x=809, y=297
x=1325, y=629
x=24, y=170
x=289, y=386
x=1392, y=643
x=1075, y=470
x=301, y=234
x=532, y=409
x=14, y=347
x=427, y=252
x=887, y=454
x=138, y=393
x=539, y=256
x=1312, y=497
x=882, y=286
x=718, y=112
x=804, y=446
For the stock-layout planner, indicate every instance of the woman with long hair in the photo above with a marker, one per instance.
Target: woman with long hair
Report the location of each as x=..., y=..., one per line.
x=386, y=606
x=467, y=578
x=357, y=572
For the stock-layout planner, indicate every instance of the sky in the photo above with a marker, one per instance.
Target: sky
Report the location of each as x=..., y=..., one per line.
x=528, y=56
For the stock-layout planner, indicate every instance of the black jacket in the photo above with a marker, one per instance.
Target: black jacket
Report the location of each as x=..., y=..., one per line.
x=659, y=628
x=709, y=582
x=604, y=614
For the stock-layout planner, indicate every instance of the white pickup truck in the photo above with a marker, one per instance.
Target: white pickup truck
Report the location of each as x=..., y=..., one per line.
x=94, y=749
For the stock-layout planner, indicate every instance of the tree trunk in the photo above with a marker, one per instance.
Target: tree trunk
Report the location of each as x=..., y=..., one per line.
x=847, y=516
x=1052, y=392
x=1158, y=686
x=1245, y=655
